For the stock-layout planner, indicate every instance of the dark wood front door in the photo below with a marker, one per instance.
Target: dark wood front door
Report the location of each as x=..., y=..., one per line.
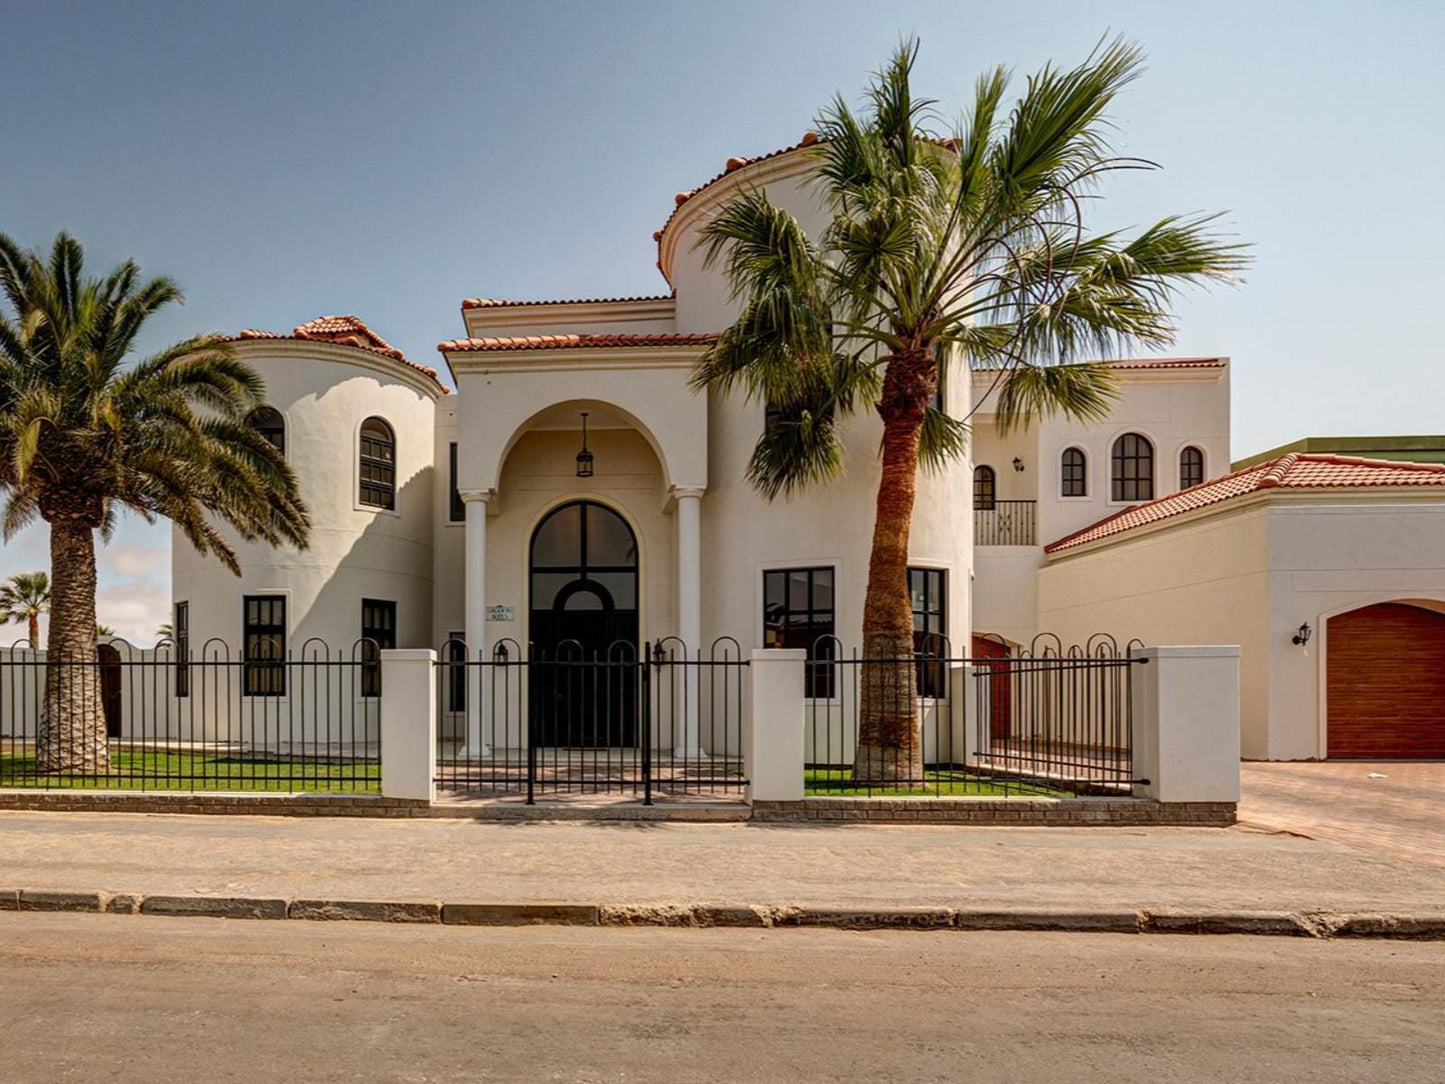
x=1385, y=682
x=109, y=660
x=1000, y=695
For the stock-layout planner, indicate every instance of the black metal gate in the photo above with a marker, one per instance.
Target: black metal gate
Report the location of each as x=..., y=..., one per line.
x=546, y=725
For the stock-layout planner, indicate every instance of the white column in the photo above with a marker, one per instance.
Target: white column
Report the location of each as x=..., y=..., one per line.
x=689, y=612
x=775, y=750
x=1185, y=704
x=409, y=724
x=475, y=570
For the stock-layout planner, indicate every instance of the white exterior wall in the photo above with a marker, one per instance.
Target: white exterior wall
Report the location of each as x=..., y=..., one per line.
x=325, y=391
x=449, y=538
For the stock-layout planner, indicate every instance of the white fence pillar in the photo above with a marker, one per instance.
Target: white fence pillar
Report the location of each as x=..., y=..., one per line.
x=1186, y=723
x=775, y=735
x=409, y=723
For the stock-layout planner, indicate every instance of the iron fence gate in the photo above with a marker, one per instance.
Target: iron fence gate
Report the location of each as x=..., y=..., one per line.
x=540, y=724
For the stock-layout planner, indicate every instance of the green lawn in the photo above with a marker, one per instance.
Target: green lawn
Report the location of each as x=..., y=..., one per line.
x=838, y=783
x=188, y=771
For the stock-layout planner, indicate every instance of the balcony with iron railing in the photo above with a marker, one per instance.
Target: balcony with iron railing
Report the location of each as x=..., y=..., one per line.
x=1005, y=523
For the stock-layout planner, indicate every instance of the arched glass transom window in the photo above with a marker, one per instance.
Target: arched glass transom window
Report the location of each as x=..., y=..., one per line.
x=985, y=488
x=1073, y=473
x=1191, y=467
x=1132, y=469
x=378, y=464
x=584, y=557
x=268, y=422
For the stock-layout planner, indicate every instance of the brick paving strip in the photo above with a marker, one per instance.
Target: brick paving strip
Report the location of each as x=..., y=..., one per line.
x=1305, y=923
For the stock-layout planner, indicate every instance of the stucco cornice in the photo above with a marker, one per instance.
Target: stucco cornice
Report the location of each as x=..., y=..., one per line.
x=341, y=354
x=574, y=360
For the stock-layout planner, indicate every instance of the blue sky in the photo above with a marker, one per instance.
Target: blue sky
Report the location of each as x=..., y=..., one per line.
x=285, y=160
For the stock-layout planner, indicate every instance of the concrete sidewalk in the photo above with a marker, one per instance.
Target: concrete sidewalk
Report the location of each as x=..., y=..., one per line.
x=666, y=863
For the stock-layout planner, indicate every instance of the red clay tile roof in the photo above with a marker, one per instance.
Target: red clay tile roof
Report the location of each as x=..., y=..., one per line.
x=497, y=303
x=572, y=342
x=344, y=331
x=1294, y=471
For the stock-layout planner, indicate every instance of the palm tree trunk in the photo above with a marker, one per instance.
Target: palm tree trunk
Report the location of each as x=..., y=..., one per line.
x=72, y=726
x=889, y=743
x=33, y=627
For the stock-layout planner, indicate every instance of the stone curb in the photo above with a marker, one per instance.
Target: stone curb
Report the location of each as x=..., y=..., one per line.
x=1322, y=925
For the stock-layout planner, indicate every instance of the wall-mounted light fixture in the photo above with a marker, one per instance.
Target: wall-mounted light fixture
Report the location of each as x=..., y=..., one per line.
x=1018, y=464
x=584, y=457
x=1302, y=635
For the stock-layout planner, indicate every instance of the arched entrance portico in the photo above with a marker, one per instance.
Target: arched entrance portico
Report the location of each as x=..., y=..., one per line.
x=583, y=591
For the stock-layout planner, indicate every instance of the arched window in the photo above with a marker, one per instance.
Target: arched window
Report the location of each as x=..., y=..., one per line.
x=1073, y=473
x=1132, y=469
x=1191, y=467
x=268, y=422
x=985, y=491
x=378, y=464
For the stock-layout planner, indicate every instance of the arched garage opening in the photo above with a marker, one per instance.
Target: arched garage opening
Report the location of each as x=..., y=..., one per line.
x=1385, y=682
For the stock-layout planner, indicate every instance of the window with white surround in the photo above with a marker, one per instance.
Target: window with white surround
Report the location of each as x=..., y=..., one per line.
x=1131, y=469
x=1191, y=467
x=798, y=611
x=1073, y=473
x=985, y=488
x=378, y=464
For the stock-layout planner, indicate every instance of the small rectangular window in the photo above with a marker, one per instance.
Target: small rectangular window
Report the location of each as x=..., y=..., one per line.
x=181, y=635
x=798, y=611
x=378, y=633
x=458, y=510
x=264, y=645
x=927, y=588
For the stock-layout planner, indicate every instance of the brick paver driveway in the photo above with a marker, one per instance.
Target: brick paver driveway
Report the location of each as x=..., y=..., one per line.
x=1396, y=807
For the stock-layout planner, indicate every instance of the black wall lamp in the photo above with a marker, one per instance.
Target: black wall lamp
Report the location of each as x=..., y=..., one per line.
x=1018, y=464
x=1302, y=635
x=584, y=457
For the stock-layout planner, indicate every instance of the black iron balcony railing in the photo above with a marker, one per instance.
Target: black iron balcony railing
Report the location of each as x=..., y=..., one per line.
x=1005, y=523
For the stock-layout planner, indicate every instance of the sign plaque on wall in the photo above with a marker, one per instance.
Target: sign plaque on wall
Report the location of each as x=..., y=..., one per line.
x=499, y=613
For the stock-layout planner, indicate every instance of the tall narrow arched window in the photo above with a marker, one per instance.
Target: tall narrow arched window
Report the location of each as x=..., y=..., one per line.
x=378, y=464
x=1073, y=473
x=1191, y=467
x=985, y=488
x=267, y=421
x=1132, y=469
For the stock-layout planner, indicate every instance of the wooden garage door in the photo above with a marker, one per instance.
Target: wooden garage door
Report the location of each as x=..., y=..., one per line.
x=1385, y=679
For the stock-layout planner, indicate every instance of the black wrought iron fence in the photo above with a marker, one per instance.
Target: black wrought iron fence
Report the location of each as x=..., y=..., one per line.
x=575, y=721
x=1044, y=721
x=157, y=719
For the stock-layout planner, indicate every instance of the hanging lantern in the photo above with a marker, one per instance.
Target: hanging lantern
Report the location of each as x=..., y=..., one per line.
x=584, y=457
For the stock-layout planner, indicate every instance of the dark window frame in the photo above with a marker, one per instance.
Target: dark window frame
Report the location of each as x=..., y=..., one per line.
x=181, y=637
x=1131, y=469
x=457, y=510
x=985, y=488
x=455, y=656
x=271, y=424
x=1192, y=474
x=1073, y=472
x=932, y=639
x=376, y=457
x=263, y=674
x=378, y=634
x=819, y=622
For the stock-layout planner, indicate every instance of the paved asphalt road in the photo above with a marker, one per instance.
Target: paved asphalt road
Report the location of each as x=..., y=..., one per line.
x=102, y=998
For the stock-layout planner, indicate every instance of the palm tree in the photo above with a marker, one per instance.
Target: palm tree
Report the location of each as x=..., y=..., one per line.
x=84, y=434
x=945, y=250
x=24, y=597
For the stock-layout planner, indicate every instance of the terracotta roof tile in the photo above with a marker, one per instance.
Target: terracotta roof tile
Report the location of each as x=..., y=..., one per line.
x=497, y=303
x=1294, y=471
x=571, y=342
x=343, y=331
x=1169, y=363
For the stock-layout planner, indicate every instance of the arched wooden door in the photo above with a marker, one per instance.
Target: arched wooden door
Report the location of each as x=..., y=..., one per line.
x=1385, y=682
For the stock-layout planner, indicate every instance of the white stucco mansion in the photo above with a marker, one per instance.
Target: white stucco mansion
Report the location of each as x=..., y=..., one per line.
x=471, y=516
